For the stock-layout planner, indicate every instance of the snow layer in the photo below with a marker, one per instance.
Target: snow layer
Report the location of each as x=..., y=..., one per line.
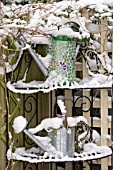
x=55, y=81
x=19, y=124
x=100, y=5
x=49, y=124
x=55, y=19
x=73, y=121
x=91, y=147
x=2, y=71
x=62, y=106
x=94, y=134
x=91, y=152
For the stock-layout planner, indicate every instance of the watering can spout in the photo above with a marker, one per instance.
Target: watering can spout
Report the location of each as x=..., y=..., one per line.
x=36, y=141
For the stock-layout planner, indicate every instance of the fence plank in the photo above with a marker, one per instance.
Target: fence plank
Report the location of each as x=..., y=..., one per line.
x=104, y=96
x=68, y=104
x=104, y=124
x=2, y=122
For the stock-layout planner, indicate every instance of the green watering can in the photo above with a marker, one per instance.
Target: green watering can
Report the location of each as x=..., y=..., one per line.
x=63, y=52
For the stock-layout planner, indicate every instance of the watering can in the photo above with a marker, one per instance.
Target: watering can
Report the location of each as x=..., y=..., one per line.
x=62, y=139
x=63, y=50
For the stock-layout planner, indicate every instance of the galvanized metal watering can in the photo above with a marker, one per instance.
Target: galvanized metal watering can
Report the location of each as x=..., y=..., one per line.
x=63, y=140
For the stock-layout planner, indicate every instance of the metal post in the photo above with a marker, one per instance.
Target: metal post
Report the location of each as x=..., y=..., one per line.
x=91, y=112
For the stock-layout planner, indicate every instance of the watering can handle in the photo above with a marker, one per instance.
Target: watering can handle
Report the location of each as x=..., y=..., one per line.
x=87, y=127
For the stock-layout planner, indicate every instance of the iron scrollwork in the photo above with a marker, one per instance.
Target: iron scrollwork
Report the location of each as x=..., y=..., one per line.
x=30, y=107
x=85, y=100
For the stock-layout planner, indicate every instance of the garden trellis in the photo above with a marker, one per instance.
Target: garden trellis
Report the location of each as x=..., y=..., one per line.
x=26, y=36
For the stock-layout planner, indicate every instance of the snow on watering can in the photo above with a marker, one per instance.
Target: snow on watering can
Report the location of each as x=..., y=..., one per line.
x=65, y=138
x=63, y=52
x=61, y=132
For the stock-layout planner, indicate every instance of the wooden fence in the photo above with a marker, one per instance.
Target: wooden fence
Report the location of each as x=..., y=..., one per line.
x=2, y=125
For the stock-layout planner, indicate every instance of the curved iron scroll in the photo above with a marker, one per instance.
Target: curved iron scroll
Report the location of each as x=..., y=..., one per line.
x=31, y=106
x=83, y=103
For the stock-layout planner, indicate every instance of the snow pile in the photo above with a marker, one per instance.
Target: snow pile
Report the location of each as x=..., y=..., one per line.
x=55, y=19
x=19, y=124
x=102, y=7
x=109, y=118
x=91, y=147
x=45, y=60
x=91, y=134
x=28, y=152
x=73, y=121
x=49, y=124
x=47, y=19
x=57, y=81
x=33, y=155
x=62, y=107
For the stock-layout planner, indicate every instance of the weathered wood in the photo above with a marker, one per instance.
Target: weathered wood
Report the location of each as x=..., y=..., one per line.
x=86, y=105
x=85, y=71
x=86, y=166
x=2, y=122
x=86, y=92
x=104, y=124
x=68, y=104
x=104, y=96
x=103, y=35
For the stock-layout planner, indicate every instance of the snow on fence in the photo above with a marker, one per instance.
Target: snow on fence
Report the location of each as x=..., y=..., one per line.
x=102, y=102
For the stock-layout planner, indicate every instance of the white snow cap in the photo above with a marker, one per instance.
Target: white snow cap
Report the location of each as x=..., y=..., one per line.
x=91, y=147
x=48, y=124
x=62, y=106
x=19, y=124
x=73, y=121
